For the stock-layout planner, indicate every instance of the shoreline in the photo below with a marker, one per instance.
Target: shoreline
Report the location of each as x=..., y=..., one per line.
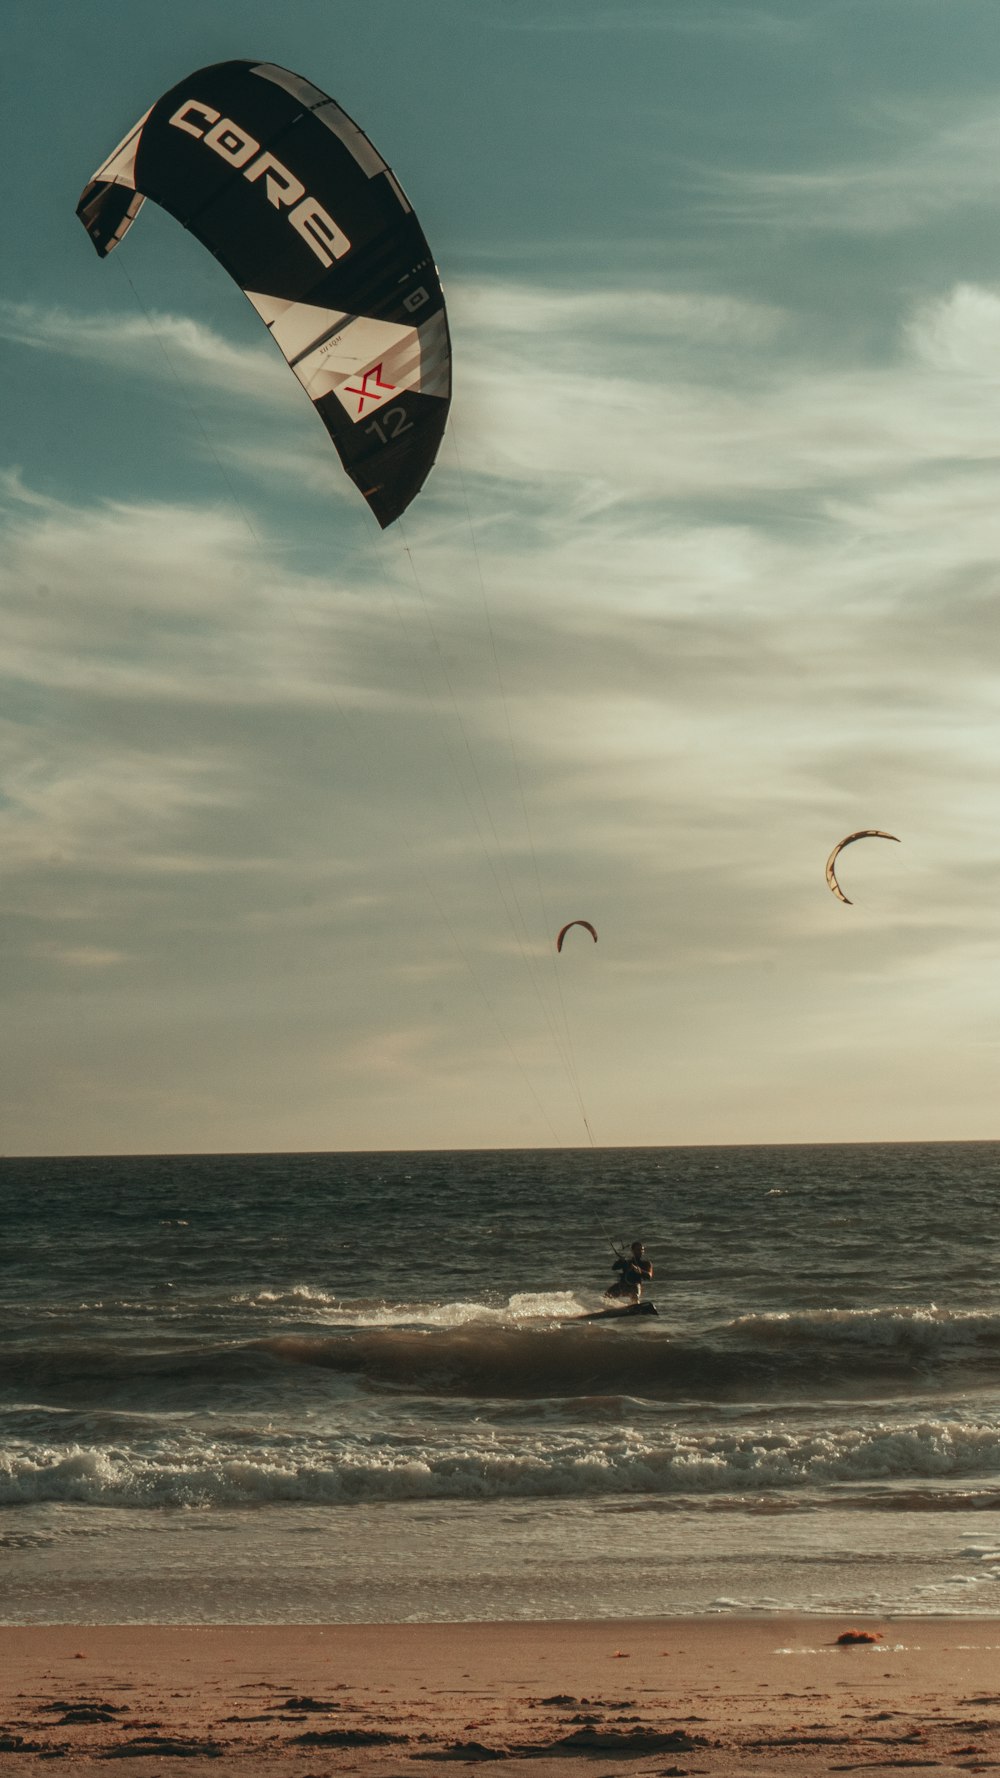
x=721, y=1696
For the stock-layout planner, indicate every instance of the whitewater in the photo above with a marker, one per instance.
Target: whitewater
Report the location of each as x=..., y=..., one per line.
x=342, y=1387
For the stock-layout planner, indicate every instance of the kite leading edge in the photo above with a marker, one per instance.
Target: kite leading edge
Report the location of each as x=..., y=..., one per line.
x=565, y=929
x=863, y=833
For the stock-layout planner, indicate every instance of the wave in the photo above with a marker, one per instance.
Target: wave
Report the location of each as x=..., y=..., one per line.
x=761, y=1356
x=730, y=1466
x=918, y=1331
x=757, y=1357
x=512, y=1353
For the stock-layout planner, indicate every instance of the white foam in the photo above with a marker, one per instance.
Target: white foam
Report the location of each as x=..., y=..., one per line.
x=483, y=1461
x=337, y=1312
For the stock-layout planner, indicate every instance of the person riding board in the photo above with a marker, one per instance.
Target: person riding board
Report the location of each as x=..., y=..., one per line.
x=635, y=1269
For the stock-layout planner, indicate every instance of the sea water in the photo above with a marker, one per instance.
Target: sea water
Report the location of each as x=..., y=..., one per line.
x=351, y=1387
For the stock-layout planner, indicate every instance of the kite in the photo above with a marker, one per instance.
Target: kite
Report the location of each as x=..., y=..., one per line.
x=864, y=833
x=562, y=935
x=300, y=209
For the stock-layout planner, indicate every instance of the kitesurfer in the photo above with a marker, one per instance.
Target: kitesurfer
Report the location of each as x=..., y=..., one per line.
x=634, y=1269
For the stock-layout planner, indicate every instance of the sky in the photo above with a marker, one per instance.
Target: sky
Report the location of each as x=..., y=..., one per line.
x=705, y=578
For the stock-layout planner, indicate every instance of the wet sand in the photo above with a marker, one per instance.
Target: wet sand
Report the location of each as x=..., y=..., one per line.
x=723, y=1697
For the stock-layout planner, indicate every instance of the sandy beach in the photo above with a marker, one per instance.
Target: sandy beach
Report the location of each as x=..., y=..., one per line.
x=670, y=1697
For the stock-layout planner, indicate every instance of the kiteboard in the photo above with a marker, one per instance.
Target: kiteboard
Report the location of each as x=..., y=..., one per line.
x=616, y=1314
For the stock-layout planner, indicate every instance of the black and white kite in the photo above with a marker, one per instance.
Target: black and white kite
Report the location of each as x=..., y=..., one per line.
x=293, y=200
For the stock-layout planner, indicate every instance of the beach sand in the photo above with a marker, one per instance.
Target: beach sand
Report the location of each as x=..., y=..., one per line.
x=672, y=1696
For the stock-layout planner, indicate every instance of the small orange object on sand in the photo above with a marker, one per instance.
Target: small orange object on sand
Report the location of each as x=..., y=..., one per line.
x=847, y=1636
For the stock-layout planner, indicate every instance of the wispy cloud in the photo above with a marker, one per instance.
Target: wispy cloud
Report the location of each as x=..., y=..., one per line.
x=154, y=345
x=920, y=172
x=778, y=422
x=611, y=316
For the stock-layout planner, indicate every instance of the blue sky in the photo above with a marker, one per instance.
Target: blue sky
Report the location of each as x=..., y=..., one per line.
x=705, y=578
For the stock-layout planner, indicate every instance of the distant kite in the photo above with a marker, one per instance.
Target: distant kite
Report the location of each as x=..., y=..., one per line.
x=562, y=935
x=863, y=833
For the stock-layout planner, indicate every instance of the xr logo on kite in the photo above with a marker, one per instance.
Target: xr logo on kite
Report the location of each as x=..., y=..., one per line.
x=370, y=394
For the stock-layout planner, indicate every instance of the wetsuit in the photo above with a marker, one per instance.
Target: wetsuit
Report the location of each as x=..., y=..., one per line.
x=634, y=1273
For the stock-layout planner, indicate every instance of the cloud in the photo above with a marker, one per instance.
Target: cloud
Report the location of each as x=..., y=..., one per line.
x=161, y=346
x=653, y=639
x=669, y=527
x=960, y=332
x=86, y=957
x=759, y=422
x=932, y=171
x=176, y=603
x=701, y=317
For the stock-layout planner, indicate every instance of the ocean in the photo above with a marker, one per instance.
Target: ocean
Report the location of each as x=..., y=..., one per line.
x=352, y=1388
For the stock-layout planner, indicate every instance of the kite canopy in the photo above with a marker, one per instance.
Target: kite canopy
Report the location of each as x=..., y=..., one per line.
x=584, y=923
x=302, y=211
x=863, y=833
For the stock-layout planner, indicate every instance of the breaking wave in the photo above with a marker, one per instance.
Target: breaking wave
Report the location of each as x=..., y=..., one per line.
x=480, y=1465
